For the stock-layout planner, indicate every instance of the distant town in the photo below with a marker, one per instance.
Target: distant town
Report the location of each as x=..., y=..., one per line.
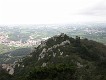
x=4, y=39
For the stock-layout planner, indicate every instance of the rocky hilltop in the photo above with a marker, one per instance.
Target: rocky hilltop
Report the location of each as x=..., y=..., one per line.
x=64, y=58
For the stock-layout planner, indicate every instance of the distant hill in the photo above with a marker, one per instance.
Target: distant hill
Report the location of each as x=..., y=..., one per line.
x=64, y=58
x=12, y=56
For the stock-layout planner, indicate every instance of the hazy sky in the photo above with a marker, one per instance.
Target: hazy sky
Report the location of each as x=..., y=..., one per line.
x=51, y=11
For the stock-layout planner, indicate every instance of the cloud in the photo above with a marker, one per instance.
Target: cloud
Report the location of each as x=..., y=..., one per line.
x=98, y=10
x=50, y=11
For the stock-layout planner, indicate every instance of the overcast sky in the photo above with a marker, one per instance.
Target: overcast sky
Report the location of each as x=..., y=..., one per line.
x=51, y=11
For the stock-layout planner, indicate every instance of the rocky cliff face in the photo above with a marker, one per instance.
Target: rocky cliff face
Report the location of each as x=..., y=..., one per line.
x=9, y=68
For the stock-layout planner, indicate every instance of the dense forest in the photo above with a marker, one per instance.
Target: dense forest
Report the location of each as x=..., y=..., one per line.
x=62, y=58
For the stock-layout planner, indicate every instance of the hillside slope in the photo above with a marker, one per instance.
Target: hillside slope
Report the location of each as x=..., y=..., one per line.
x=12, y=56
x=64, y=58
